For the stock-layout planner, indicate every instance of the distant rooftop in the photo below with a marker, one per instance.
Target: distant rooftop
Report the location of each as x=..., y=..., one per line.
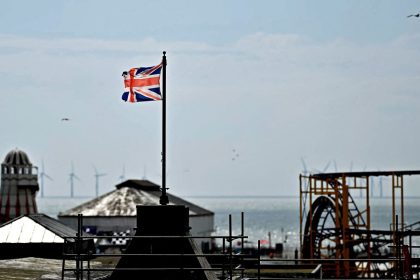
x=129, y=194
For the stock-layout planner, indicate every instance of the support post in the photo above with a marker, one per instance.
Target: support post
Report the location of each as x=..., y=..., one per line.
x=345, y=229
x=164, y=198
x=242, y=242
x=230, y=247
x=394, y=226
x=259, y=259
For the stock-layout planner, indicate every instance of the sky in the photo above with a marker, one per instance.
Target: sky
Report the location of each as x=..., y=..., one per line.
x=254, y=88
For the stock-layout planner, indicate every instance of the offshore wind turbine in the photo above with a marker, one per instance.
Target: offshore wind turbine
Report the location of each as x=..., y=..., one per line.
x=72, y=176
x=97, y=176
x=305, y=173
x=144, y=172
x=371, y=186
x=122, y=176
x=381, y=191
x=305, y=170
x=43, y=175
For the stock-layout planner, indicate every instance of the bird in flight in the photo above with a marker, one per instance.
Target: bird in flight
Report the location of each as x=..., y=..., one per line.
x=416, y=15
x=235, y=154
x=65, y=119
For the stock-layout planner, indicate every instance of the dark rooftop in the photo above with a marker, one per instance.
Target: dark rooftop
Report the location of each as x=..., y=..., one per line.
x=361, y=174
x=17, y=157
x=139, y=184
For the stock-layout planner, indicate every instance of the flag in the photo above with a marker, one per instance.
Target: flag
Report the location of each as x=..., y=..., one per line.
x=142, y=84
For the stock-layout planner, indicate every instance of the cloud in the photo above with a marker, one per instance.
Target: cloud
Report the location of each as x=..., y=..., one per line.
x=83, y=45
x=274, y=97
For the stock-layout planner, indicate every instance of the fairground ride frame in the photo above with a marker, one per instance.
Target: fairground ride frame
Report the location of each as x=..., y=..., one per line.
x=333, y=226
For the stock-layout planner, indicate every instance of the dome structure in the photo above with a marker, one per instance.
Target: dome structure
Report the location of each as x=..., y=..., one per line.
x=17, y=157
x=19, y=185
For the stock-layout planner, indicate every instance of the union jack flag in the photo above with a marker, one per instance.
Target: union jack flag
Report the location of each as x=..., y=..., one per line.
x=142, y=84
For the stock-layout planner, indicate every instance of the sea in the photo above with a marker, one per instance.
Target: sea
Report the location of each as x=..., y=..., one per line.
x=265, y=218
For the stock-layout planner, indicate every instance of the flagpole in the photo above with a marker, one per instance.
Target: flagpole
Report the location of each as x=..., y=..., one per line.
x=164, y=198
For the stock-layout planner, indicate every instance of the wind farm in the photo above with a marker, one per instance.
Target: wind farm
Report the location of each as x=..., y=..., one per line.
x=277, y=136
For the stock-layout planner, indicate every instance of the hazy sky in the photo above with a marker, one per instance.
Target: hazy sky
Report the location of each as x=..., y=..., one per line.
x=272, y=81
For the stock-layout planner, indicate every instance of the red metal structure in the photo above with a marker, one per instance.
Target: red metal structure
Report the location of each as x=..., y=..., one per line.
x=333, y=226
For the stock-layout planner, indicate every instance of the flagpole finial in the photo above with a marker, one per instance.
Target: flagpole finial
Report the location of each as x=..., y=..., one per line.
x=164, y=58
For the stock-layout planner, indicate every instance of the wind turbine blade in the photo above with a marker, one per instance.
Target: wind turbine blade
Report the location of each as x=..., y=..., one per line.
x=305, y=169
x=335, y=165
x=75, y=177
x=96, y=170
x=47, y=176
x=326, y=167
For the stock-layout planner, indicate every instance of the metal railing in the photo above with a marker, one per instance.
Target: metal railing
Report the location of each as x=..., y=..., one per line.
x=83, y=258
x=77, y=249
x=243, y=266
x=225, y=263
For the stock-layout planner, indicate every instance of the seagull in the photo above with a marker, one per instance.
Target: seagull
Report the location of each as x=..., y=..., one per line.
x=235, y=154
x=65, y=119
x=416, y=15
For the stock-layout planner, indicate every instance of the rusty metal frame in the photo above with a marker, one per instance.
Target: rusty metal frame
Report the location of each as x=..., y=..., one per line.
x=338, y=187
